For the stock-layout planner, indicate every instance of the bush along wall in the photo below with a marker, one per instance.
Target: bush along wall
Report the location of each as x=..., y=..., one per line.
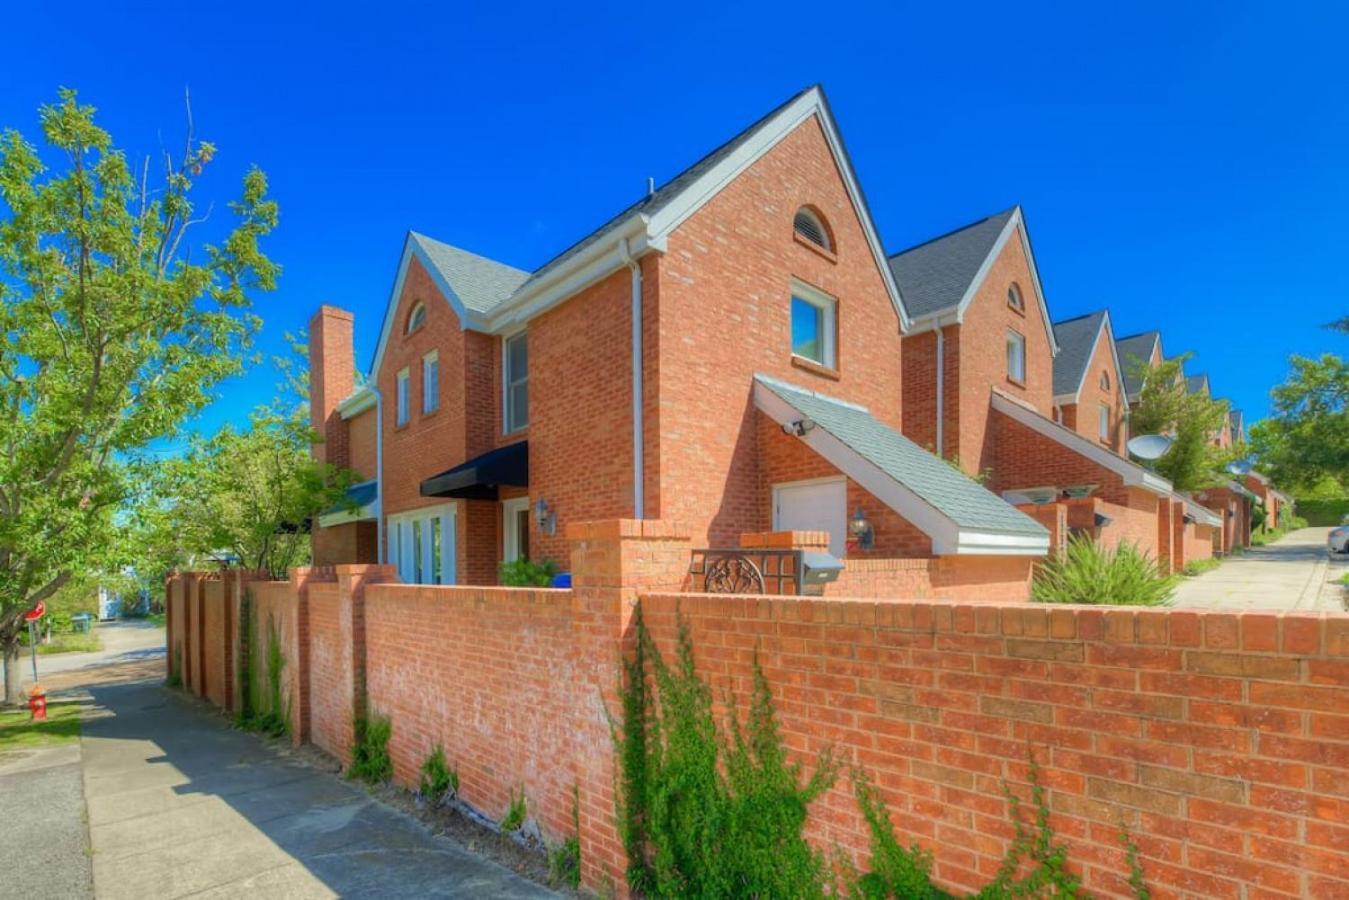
x=263, y=704
x=709, y=810
x=1322, y=512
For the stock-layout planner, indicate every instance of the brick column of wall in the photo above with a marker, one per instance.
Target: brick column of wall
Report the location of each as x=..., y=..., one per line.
x=612, y=563
x=352, y=581
x=1054, y=517
x=1165, y=534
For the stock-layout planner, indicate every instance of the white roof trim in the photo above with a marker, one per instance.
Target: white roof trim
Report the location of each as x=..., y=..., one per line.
x=948, y=538
x=1076, y=397
x=1202, y=514
x=358, y=402
x=1131, y=473
x=1014, y=225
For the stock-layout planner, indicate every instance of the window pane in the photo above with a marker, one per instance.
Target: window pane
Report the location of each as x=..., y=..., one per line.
x=518, y=403
x=402, y=398
x=417, y=551
x=436, y=567
x=430, y=385
x=807, y=330
x=1016, y=357
x=517, y=357
x=522, y=533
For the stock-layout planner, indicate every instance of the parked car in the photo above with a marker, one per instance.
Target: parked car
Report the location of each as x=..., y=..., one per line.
x=1338, y=541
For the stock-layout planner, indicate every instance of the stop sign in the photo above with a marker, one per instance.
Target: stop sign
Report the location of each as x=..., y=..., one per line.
x=36, y=612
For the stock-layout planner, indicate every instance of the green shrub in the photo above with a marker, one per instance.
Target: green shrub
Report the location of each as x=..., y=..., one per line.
x=515, y=813
x=175, y=678
x=438, y=779
x=370, y=760
x=564, y=860
x=527, y=573
x=1089, y=573
x=1322, y=512
x=268, y=713
x=1200, y=566
x=704, y=812
x=896, y=870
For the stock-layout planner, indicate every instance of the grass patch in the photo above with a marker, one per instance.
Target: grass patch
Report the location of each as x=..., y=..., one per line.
x=1344, y=579
x=157, y=619
x=515, y=815
x=61, y=726
x=370, y=760
x=71, y=643
x=1200, y=566
x=438, y=778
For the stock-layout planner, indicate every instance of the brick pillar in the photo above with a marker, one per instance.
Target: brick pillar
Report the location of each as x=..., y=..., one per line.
x=1054, y=517
x=332, y=378
x=1177, y=536
x=613, y=563
x=352, y=581
x=1165, y=534
x=170, y=582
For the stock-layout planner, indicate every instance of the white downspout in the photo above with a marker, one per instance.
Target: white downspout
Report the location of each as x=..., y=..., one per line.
x=941, y=392
x=638, y=451
x=379, y=474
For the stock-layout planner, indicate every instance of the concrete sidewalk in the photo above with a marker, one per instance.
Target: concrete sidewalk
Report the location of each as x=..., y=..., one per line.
x=179, y=803
x=1294, y=573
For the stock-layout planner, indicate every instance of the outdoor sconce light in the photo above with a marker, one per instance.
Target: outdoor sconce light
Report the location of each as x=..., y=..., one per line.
x=861, y=530
x=545, y=517
x=799, y=427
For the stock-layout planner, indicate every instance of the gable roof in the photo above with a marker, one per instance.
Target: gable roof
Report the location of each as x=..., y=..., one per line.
x=940, y=277
x=1078, y=339
x=1238, y=425
x=1141, y=346
x=1131, y=473
x=493, y=297
x=958, y=514
x=1196, y=383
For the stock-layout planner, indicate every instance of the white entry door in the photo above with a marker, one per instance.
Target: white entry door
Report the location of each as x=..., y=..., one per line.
x=817, y=505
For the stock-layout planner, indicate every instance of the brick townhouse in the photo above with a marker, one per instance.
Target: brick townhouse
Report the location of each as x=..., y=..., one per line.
x=1037, y=411
x=725, y=354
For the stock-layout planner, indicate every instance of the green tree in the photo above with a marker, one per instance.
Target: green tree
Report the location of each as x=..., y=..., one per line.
x=113, y=330
x=1306, y=440
x=1166, y=406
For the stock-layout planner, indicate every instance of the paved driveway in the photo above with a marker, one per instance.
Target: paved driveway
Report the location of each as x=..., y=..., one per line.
x=1293, y=573
x=179, y=803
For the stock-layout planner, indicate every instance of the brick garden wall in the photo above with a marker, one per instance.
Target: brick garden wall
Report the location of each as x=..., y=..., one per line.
x=1220, y=741
x=215, y=644
x=276, y=602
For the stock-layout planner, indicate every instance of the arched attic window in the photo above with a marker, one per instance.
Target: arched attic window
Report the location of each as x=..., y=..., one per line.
x=1105, y=381
x=810, y=226
x=1014, y=298
x=416, y=318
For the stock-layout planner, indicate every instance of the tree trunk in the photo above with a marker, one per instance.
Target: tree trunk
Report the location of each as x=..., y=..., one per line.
x=13, y=675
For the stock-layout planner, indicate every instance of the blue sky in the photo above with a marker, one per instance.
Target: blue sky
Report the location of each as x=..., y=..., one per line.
x=1186, y=165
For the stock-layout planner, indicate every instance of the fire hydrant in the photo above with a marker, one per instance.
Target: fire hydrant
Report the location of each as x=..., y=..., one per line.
x=37, y=702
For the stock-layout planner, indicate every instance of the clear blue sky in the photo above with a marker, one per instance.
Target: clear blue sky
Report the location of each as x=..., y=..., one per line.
x=1185, y=164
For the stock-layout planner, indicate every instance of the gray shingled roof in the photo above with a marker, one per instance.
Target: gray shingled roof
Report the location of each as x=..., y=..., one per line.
x=490, y=283
x=938, y=483
x=1135, y=346
x=935, y=275
x=1238, y=425
x=1196, y=383
x=481, y=284
x=1076, y=338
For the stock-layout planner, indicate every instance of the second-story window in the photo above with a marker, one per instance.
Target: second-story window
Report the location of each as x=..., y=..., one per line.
x=808, y=224
x=814, y=325
x=1105, y=381
x=515, y=378
x=1104, y=422
x=431, y=382
x=404, y=406
x=417, y=318
x=1014, y=298
x=1016, y=357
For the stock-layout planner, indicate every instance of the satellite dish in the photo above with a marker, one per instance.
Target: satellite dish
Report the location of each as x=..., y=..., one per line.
x=1240, y=467
x=1149, y=446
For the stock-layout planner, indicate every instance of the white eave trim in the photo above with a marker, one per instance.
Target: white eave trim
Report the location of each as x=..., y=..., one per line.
x=1118, y=384
x=1132, y=474
x=955, y=315
x=948, y=538
x=345, y=516
x=361, y=399
x=1202, y=515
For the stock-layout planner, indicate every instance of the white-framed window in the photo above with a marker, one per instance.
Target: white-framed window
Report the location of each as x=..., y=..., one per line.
x=1014, y=298
x=404, y=405
x=515, y=529
x=416, y=318
x=422, y=545
x=814, y=325
x=515, y=382
x=431, y=382
x=1103, y=420
x=1105, y=381
x=1016, y=357
x=810, y=226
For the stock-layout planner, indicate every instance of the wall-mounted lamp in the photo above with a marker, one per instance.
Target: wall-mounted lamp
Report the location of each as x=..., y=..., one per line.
x=545, y=518
x=860, y=529
x=799, y=427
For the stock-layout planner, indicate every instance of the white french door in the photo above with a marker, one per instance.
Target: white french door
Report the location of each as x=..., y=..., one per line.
x=422, y=545
x=515, y=529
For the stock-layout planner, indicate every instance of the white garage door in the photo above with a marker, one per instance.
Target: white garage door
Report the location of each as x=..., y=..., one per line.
x=813, y=506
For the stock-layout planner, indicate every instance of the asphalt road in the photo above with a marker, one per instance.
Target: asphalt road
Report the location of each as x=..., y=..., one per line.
x=1294, y=573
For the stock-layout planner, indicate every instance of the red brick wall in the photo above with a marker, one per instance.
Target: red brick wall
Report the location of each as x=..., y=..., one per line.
x=276, y=602
x=176, y=620
x=330, y=678
x=1084, y=416
x=361, y=443
x=215, y=645
x=724, y=314
x=982, y=358
x=1217, y=740
x=1198, y=542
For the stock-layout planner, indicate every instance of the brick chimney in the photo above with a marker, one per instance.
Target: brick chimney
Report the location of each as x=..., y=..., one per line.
x=332, y=378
